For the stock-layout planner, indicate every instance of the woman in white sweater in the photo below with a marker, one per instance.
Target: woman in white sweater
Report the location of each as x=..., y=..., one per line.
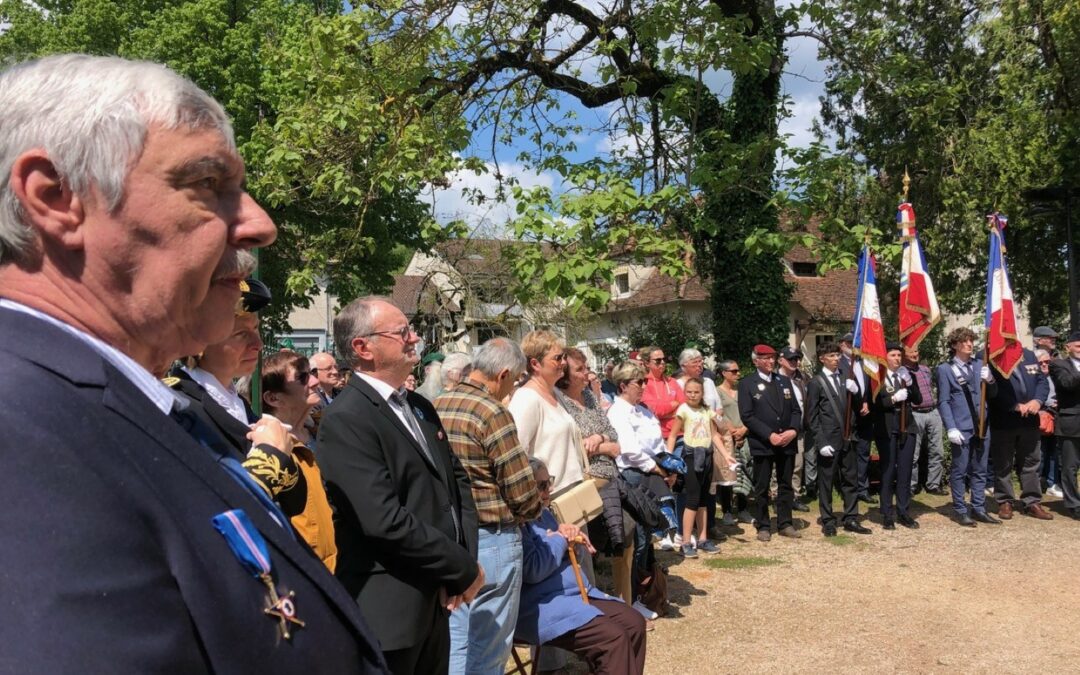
x=545, y=429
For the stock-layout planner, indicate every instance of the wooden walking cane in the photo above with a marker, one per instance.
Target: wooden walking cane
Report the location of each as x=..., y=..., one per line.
x=577, y=568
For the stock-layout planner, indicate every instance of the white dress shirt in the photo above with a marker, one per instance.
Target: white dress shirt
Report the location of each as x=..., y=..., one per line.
x=224, y=396
x=640, y=439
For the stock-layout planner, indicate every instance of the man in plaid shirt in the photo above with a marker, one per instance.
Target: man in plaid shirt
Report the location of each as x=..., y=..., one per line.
x=482, y=434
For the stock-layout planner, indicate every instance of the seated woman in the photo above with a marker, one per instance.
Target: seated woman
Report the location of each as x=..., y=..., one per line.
x=606, y=633
x=289, y=391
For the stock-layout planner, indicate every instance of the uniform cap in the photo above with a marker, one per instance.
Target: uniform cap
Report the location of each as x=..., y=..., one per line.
x=254, y=296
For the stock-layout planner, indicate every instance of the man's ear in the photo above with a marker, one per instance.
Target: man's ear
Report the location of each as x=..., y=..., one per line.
x=47, y=200
x=360, y=348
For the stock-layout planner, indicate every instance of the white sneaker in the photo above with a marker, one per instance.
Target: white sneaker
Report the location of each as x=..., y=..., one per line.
x=666, y=545
x=677, y=541
x=645, y=611
x=1055, y=491
x=729, y=519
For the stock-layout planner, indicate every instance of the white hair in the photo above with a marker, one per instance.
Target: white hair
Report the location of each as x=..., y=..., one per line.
x=456, y=366
x=689, y=354
x=90, y=114
x=498, y=354
x=1039, y=353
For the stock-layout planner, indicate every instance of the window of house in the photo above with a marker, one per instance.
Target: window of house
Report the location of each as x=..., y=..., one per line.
x=486, y=331
x=804, y=269
x=622, y=283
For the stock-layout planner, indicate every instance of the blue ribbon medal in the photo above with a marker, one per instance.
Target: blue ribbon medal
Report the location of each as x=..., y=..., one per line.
x=249, y=547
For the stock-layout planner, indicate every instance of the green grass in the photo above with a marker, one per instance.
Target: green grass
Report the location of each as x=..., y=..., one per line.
x=740, y=562
x=841, y=540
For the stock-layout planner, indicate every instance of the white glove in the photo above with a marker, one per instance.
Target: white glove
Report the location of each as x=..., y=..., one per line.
x=900, y=396
x=852, y=386
x=986, y=375
x=826, y=451
x=955, y=437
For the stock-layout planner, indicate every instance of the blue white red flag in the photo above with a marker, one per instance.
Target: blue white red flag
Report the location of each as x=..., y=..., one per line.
x=869, y=335
x=919, y=310
x=1002, y=344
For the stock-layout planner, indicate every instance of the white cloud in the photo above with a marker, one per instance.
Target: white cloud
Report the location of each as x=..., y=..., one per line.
x=490, y=217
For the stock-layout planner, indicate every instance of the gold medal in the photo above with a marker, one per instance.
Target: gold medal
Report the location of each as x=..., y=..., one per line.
x=283, y=607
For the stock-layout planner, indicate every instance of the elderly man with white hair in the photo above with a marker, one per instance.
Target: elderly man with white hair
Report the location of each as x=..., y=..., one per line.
x=133, y=542
x=455, y=368
x=692, y=364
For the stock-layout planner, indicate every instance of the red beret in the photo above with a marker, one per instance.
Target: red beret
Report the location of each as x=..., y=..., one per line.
x=764, y=350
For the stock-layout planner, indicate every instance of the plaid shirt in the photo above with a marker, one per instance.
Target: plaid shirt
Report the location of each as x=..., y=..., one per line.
x=923, y=379
x=484, y=437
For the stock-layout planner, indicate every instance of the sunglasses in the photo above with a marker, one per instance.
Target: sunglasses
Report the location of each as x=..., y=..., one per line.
x=542, y=485
x=659, y=360
x=302, y=376
x=732, y=370
x=404, y=332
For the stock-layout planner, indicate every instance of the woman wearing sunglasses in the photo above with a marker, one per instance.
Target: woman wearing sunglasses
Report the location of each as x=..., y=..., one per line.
x=734, y=499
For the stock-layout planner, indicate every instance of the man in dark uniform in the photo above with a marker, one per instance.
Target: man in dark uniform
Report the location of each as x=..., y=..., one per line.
x=1065, y=373
x=896, y=430
x=1014, y=436
x=825, y=408
x=805, y=475
x=769, y=410
x=862, y=421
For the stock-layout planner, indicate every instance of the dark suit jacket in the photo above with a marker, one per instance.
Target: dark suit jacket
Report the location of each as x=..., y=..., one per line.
x=863, y=424
x=1067, y=387
x=887, y=412
x=1027, y=383
x=110, y=561
x=230, y=428
x=395, y=532
x=767, y=408
x=826, y=413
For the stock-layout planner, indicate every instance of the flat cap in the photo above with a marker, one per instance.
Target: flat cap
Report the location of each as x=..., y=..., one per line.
x=1045, y=331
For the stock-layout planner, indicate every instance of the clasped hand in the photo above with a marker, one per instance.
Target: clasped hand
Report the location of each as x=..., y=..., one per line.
x=783, y=438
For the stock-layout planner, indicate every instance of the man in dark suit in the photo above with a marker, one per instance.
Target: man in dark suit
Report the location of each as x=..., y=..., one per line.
x=862, y=421
x=407, y=525
x=895, y=427
x=1014, y=436
x=772, y=416
x=1066, y=376
x=804, y=477
x=127, y=250
x=825, y=405
x=959, y=399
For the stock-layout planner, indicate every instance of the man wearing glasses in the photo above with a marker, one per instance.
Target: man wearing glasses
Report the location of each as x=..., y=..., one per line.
x=407, y=525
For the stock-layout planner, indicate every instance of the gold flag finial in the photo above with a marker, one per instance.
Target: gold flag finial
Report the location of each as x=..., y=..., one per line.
x=907, y=183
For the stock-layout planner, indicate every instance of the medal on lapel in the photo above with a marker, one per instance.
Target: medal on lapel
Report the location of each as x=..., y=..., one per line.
x=761, y=386
x=249, y=547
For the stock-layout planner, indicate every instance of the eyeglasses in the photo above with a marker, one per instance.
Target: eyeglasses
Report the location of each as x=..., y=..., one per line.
x=659, y=360
x=404, y=332
x=639, y=382
x=542, y=485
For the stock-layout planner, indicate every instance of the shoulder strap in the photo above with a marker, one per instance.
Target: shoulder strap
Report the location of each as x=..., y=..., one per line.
x=829, y=395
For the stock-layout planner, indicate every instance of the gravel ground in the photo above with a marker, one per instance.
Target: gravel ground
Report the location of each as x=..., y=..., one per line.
x=992, y=599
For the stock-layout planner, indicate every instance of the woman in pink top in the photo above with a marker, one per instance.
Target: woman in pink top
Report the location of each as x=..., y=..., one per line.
x=662, y=394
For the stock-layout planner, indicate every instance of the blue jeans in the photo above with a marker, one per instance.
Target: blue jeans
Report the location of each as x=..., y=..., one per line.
x=969, y=463
x=482, y=633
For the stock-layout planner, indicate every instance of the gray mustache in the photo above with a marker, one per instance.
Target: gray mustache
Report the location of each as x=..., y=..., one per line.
x=242, y=263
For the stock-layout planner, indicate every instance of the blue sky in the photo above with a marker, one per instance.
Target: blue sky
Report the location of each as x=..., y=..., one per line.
x=803, y=83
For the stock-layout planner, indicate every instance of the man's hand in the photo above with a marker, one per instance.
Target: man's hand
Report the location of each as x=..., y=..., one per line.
x=788, y=436
x=1029, y=408
x=852, y=386
x=955, y=437
x=864, y=410
x=899, y=396
x=477, y=584
x=775, y=439
x=986, y=375
x=826, y=451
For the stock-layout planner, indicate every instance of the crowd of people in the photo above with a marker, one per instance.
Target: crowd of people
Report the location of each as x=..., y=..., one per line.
x=365, y=521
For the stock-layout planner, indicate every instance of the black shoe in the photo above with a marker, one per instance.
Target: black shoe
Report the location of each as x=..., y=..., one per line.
x=907, y=521
x=984, y=517
x=868, y=499
x=888, y=524
x=965, y=520
x=940, y=491
x=799, y=506
x=1073, y=513
x=856, y=527
x=829, y=530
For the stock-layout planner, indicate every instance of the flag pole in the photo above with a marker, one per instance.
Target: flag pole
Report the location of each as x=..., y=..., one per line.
x=986, y=347
x=904, y=403
x=851, y=371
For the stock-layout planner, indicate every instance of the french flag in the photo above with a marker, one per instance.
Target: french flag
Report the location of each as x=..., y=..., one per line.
x=1002, y=345
x=869, y=334
x=919, y=311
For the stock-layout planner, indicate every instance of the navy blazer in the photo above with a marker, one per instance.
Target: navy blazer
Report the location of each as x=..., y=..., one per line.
x=396, y=537
x=111, y=563
x=1067, y=386
x=954, y=393
x=767, y=408
x=1028, y=383
x=825, y=409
